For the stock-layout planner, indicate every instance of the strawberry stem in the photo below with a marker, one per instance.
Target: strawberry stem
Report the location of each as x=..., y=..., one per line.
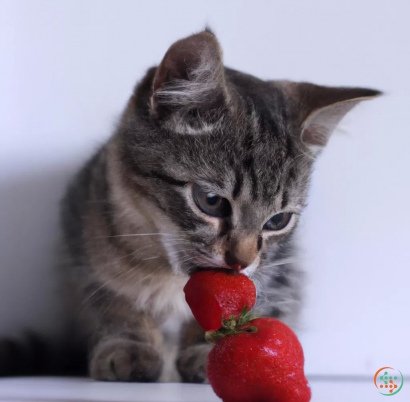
x=230, y=327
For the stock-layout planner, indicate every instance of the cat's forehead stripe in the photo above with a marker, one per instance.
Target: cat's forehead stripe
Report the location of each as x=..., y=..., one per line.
x=238, y=184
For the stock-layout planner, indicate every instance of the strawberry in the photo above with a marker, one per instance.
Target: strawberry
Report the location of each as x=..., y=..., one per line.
x=214, y=295
x=261, y=361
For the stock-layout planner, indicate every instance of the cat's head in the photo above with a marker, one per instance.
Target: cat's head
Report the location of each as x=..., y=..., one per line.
x=225, y=157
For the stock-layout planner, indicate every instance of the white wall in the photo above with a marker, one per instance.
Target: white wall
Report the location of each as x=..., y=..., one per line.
x=68, y=67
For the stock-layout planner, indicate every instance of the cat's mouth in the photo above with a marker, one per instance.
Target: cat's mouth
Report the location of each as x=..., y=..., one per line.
x=207, y=262
x=197, y=269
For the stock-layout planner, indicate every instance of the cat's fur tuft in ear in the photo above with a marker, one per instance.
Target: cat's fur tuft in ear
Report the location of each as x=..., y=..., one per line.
x=319, y=109
x=190, y=83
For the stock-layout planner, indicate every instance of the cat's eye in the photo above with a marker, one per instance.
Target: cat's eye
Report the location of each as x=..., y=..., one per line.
x=278, y=221
x=210, y=203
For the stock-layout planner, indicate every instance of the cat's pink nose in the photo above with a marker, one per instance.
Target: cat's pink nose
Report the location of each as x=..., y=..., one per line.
x=236, y=267
x=233, y=262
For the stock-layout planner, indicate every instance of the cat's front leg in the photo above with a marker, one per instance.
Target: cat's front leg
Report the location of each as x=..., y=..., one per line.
x=124, y=344
x=193, y=354
x=117, y=358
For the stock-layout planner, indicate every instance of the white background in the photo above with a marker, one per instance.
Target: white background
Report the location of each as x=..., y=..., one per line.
x=66, y=71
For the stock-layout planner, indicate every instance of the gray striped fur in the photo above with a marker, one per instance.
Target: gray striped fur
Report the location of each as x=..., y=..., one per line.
x=133, y=235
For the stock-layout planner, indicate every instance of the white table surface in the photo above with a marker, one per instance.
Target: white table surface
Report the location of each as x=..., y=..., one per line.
x=84, y=390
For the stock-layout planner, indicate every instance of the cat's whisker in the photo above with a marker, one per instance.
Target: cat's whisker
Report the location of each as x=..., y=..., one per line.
x=133, y=274
x=103, y=285
x=106, y=291
x=151, y=258
x=280, y=262
x=138, y=234
x=127, y=279
x=183, y=261
x=177, y=242
x=179, y=251
x=117, y=275
x=134, y=252
x=150, y=274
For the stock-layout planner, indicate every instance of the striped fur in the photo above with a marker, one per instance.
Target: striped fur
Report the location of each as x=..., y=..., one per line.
x=133, y=234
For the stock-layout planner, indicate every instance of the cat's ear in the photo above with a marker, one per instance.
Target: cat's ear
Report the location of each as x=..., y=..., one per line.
x=320, y=109
x=190, y=83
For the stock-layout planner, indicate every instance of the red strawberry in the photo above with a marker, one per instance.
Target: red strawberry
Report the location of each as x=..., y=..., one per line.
x=262, y=366
x=216, y=294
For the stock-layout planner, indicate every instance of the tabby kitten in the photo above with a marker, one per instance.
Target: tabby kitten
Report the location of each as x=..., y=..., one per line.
x=209, y=167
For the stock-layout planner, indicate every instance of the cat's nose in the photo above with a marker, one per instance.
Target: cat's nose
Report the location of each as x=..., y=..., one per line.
x=241, y=252
x=234, y=263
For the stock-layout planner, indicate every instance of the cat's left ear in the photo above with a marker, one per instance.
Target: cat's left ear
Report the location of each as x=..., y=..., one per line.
x=189, y=88
x=320, y=109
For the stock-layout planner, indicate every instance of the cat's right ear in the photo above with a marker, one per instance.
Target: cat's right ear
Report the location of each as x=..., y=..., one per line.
x=319, y=109
x=188, y=90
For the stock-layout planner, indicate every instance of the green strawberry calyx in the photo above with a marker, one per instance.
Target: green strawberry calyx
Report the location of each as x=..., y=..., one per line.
x=233, y=326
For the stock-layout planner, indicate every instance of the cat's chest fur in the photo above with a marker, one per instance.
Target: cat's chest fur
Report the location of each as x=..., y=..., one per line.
x=166, y=302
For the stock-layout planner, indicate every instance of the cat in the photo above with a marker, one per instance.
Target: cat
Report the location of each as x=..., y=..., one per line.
x=208, y=168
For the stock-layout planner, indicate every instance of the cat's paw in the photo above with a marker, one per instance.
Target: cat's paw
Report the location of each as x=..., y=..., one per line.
x=125, y=360
x=192, y=361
